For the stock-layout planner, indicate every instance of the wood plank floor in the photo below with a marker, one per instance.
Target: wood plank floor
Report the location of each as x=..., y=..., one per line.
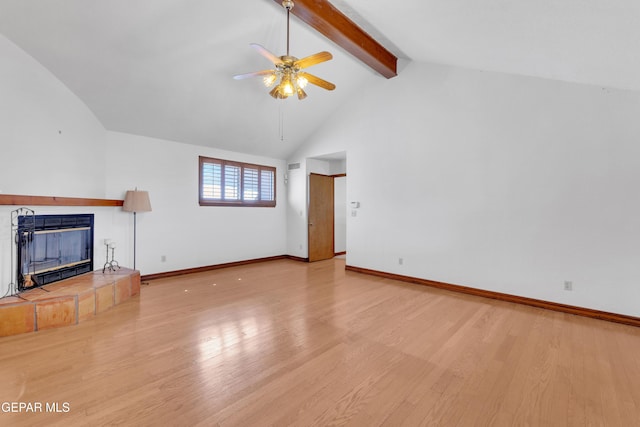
x=290, y=343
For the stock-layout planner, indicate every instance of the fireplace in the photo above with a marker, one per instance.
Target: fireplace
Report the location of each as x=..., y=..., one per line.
x=52, y=248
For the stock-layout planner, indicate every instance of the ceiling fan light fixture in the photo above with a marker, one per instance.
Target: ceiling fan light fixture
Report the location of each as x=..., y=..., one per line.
x=276, y=92
x=270, y=80
x=301, y=81
x=288, y=69
x=287, y=86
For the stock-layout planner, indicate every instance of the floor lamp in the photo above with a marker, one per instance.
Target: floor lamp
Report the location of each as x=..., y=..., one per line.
x=136, y=201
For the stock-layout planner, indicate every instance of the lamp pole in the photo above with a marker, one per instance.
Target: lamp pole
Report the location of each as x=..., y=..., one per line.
x=134, y=240
x=136, y=201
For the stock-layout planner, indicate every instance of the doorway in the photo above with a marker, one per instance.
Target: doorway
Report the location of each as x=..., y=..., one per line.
x=321, y=217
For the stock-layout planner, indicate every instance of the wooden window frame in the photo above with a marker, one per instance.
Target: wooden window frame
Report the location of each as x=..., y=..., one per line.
x=244, y=203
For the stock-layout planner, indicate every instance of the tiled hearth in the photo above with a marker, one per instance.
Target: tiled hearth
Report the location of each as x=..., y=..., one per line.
x=67, y=302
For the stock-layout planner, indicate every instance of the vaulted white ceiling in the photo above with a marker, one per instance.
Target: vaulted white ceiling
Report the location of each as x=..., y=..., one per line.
x=163, y=68
x=584, y=41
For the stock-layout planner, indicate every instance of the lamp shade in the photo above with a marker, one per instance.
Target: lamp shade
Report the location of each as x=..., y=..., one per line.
x=136, y=201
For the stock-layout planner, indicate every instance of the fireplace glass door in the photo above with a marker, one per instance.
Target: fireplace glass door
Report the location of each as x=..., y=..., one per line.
x=54, y=248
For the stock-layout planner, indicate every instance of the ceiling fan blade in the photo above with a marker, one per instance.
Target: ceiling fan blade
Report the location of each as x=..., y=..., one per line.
x=254, y=74
x=314, y=59
x=264, y=52
x=318, y=81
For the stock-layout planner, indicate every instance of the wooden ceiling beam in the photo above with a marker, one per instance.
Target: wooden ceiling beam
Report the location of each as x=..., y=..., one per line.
x=337, y=27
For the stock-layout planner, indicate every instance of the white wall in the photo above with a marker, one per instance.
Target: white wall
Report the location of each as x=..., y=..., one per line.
x=51, y=145
x=340, y=214
x=48, y=137
x=297, y=237
x=498, y=182
x=187, y=234
x=297, y=201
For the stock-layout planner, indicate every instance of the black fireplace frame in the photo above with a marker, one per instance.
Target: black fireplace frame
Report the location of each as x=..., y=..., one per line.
x=28, y=225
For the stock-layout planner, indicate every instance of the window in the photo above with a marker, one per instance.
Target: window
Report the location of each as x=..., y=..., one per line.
x=227, y=183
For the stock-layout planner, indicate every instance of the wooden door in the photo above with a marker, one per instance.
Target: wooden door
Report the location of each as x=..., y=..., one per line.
x=321, y=213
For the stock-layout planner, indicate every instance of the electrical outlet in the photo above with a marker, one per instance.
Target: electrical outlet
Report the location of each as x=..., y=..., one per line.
x=568, y=285
x=400, y=261
x=163, y=258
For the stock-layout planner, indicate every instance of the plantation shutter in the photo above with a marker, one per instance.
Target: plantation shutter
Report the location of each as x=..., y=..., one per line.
x=267, y=185
x=251, y=184
x=231, y=182
x=228, y=183
x=211, y=181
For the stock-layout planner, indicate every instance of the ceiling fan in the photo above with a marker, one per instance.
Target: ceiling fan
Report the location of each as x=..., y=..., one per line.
x=288, y=69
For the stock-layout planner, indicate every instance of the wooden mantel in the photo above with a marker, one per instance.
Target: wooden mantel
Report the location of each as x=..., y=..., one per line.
x=13, y=199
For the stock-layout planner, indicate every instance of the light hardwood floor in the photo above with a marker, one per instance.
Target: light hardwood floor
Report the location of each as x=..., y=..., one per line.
x=289, y=343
